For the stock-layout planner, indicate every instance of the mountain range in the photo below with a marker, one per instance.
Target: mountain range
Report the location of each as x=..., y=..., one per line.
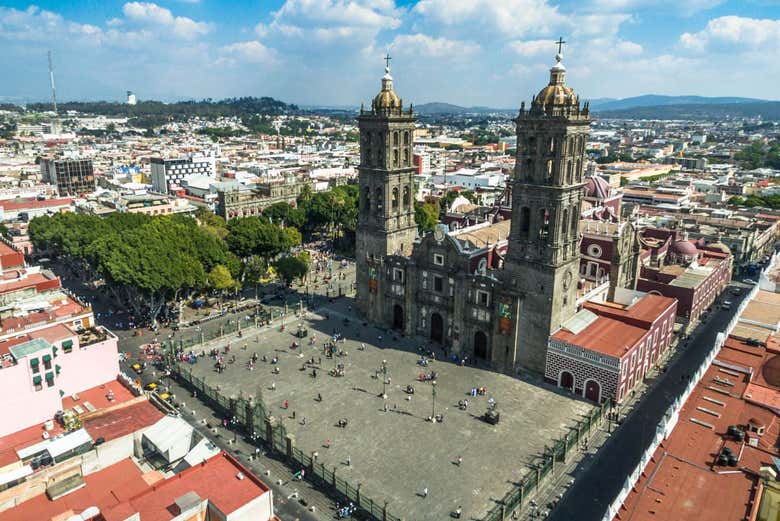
x=600, y=105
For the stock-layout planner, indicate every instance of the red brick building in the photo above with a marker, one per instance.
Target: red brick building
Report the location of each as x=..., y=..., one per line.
x=606, y=349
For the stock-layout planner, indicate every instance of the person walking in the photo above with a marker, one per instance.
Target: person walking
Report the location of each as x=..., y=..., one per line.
x=425, y=492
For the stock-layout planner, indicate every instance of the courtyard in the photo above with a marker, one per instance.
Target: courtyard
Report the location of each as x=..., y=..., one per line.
x=389, y=445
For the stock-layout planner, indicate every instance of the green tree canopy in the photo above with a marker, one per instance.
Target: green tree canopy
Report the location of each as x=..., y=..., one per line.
x=292, y=267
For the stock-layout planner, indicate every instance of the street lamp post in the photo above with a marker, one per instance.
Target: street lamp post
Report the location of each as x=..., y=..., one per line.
x=433, y=396
x=384, y=379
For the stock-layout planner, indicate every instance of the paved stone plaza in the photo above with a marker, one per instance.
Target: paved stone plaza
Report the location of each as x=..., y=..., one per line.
x=398, y=453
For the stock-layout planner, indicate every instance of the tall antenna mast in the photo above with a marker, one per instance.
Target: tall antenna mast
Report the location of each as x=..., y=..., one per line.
x=53, y=90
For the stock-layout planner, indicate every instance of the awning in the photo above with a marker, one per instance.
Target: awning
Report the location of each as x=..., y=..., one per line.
x=37, y=379
x=69, y=442
x=54, y=350
x=57, y=368
x=67, y=344
x=15, y=474
x=34, y=362
x=49, y=377
x=47, y=358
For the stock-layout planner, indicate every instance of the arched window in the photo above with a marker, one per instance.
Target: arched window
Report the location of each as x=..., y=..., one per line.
x=574, y=220
x=395, y=139
x=564, y=222
x=394, y=199
x=406, y=137
x=406, y=196
x=367, y=200
x=544, y=223
x=570, y=172
x=379, y=198
x=525, y=220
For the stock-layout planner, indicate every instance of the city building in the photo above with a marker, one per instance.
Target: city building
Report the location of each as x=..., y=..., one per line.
x=235, y=200
x=70, y=176
x=605, y=350
x=168, y=175
x=675, y=267
x=518, y=279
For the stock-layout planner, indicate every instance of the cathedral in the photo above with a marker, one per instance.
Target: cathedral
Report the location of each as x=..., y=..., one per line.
x=493, y=291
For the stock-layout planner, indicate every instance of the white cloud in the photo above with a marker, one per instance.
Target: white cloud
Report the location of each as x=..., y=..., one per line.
x=533, y=48
x=684, y=7
x=734, y=33
x=508, y=17
x=424, y=45
x=378, y=14
x=152, y=14
x=251, y=51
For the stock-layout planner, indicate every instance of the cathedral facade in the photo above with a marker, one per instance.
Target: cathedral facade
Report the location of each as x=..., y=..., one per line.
x=494, y=291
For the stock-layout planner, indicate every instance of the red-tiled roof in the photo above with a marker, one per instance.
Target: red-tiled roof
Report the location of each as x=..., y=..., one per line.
x=604, y=335
x=683, y=480
x=29, y=204
x=643, y=312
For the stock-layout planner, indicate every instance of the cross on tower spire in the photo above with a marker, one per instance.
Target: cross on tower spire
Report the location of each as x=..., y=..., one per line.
x=387, y=61
x=560, y=44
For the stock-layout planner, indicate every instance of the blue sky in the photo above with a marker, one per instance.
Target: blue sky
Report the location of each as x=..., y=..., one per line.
x=470, y=52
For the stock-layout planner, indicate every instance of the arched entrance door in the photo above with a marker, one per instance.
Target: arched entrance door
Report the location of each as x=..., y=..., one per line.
x=480, y=345
x=437, y=328
x=566, y=380
x=593, y=391
x=398, y=317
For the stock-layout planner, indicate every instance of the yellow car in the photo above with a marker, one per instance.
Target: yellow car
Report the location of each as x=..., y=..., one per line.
x=165, y=396
x=137, y=368
x=151, y=386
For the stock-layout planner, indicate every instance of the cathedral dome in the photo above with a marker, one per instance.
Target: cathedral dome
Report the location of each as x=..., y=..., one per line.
x=597, y=187
x=557, y=98
x=387, y=99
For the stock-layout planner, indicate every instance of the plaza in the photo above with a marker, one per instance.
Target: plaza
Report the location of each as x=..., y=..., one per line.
x=389, y=446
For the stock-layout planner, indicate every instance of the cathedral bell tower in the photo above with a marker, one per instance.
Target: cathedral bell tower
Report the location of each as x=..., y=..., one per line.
x=385, y=223
x=542, y=262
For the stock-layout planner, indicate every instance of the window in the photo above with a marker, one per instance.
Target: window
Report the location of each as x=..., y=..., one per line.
x=483, y=298
x=37, y=382
x=398, y=274
x=67, y=346
x=395, y=139
x=406, y=196
x=47, y=362
x=34, y=364
x=438, y=284
x=395, y=157
x=525, y=220
x=438, y=259
x=406, y=137
x=394, y=200
x=49, y=379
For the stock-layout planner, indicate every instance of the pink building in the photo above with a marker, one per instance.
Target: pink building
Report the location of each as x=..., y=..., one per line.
x=606, y=349
x=41, y=367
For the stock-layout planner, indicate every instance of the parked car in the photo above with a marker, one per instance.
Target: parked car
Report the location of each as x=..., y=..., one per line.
x=749, y=281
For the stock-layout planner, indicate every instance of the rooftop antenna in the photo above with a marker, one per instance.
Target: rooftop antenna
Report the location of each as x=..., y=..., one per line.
x=53, y=90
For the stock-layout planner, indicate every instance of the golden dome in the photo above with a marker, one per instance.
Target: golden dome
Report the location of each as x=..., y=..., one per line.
x=559, y=94
x=387, y=99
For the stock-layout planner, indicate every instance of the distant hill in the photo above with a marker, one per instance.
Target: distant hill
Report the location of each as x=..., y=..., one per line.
x=438, y=108
x=768, y=110
x=654, y=100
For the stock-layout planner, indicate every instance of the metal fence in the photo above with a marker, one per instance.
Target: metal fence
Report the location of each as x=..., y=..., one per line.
x=552, y=456
x=250, y=416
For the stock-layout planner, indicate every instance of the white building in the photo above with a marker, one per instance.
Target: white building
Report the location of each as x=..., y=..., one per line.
x=172, y=173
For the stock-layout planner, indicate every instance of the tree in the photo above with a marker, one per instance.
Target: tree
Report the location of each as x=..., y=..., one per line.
x=285, y=215
x=221, y=280
x=291, y=267
x=426, y=215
